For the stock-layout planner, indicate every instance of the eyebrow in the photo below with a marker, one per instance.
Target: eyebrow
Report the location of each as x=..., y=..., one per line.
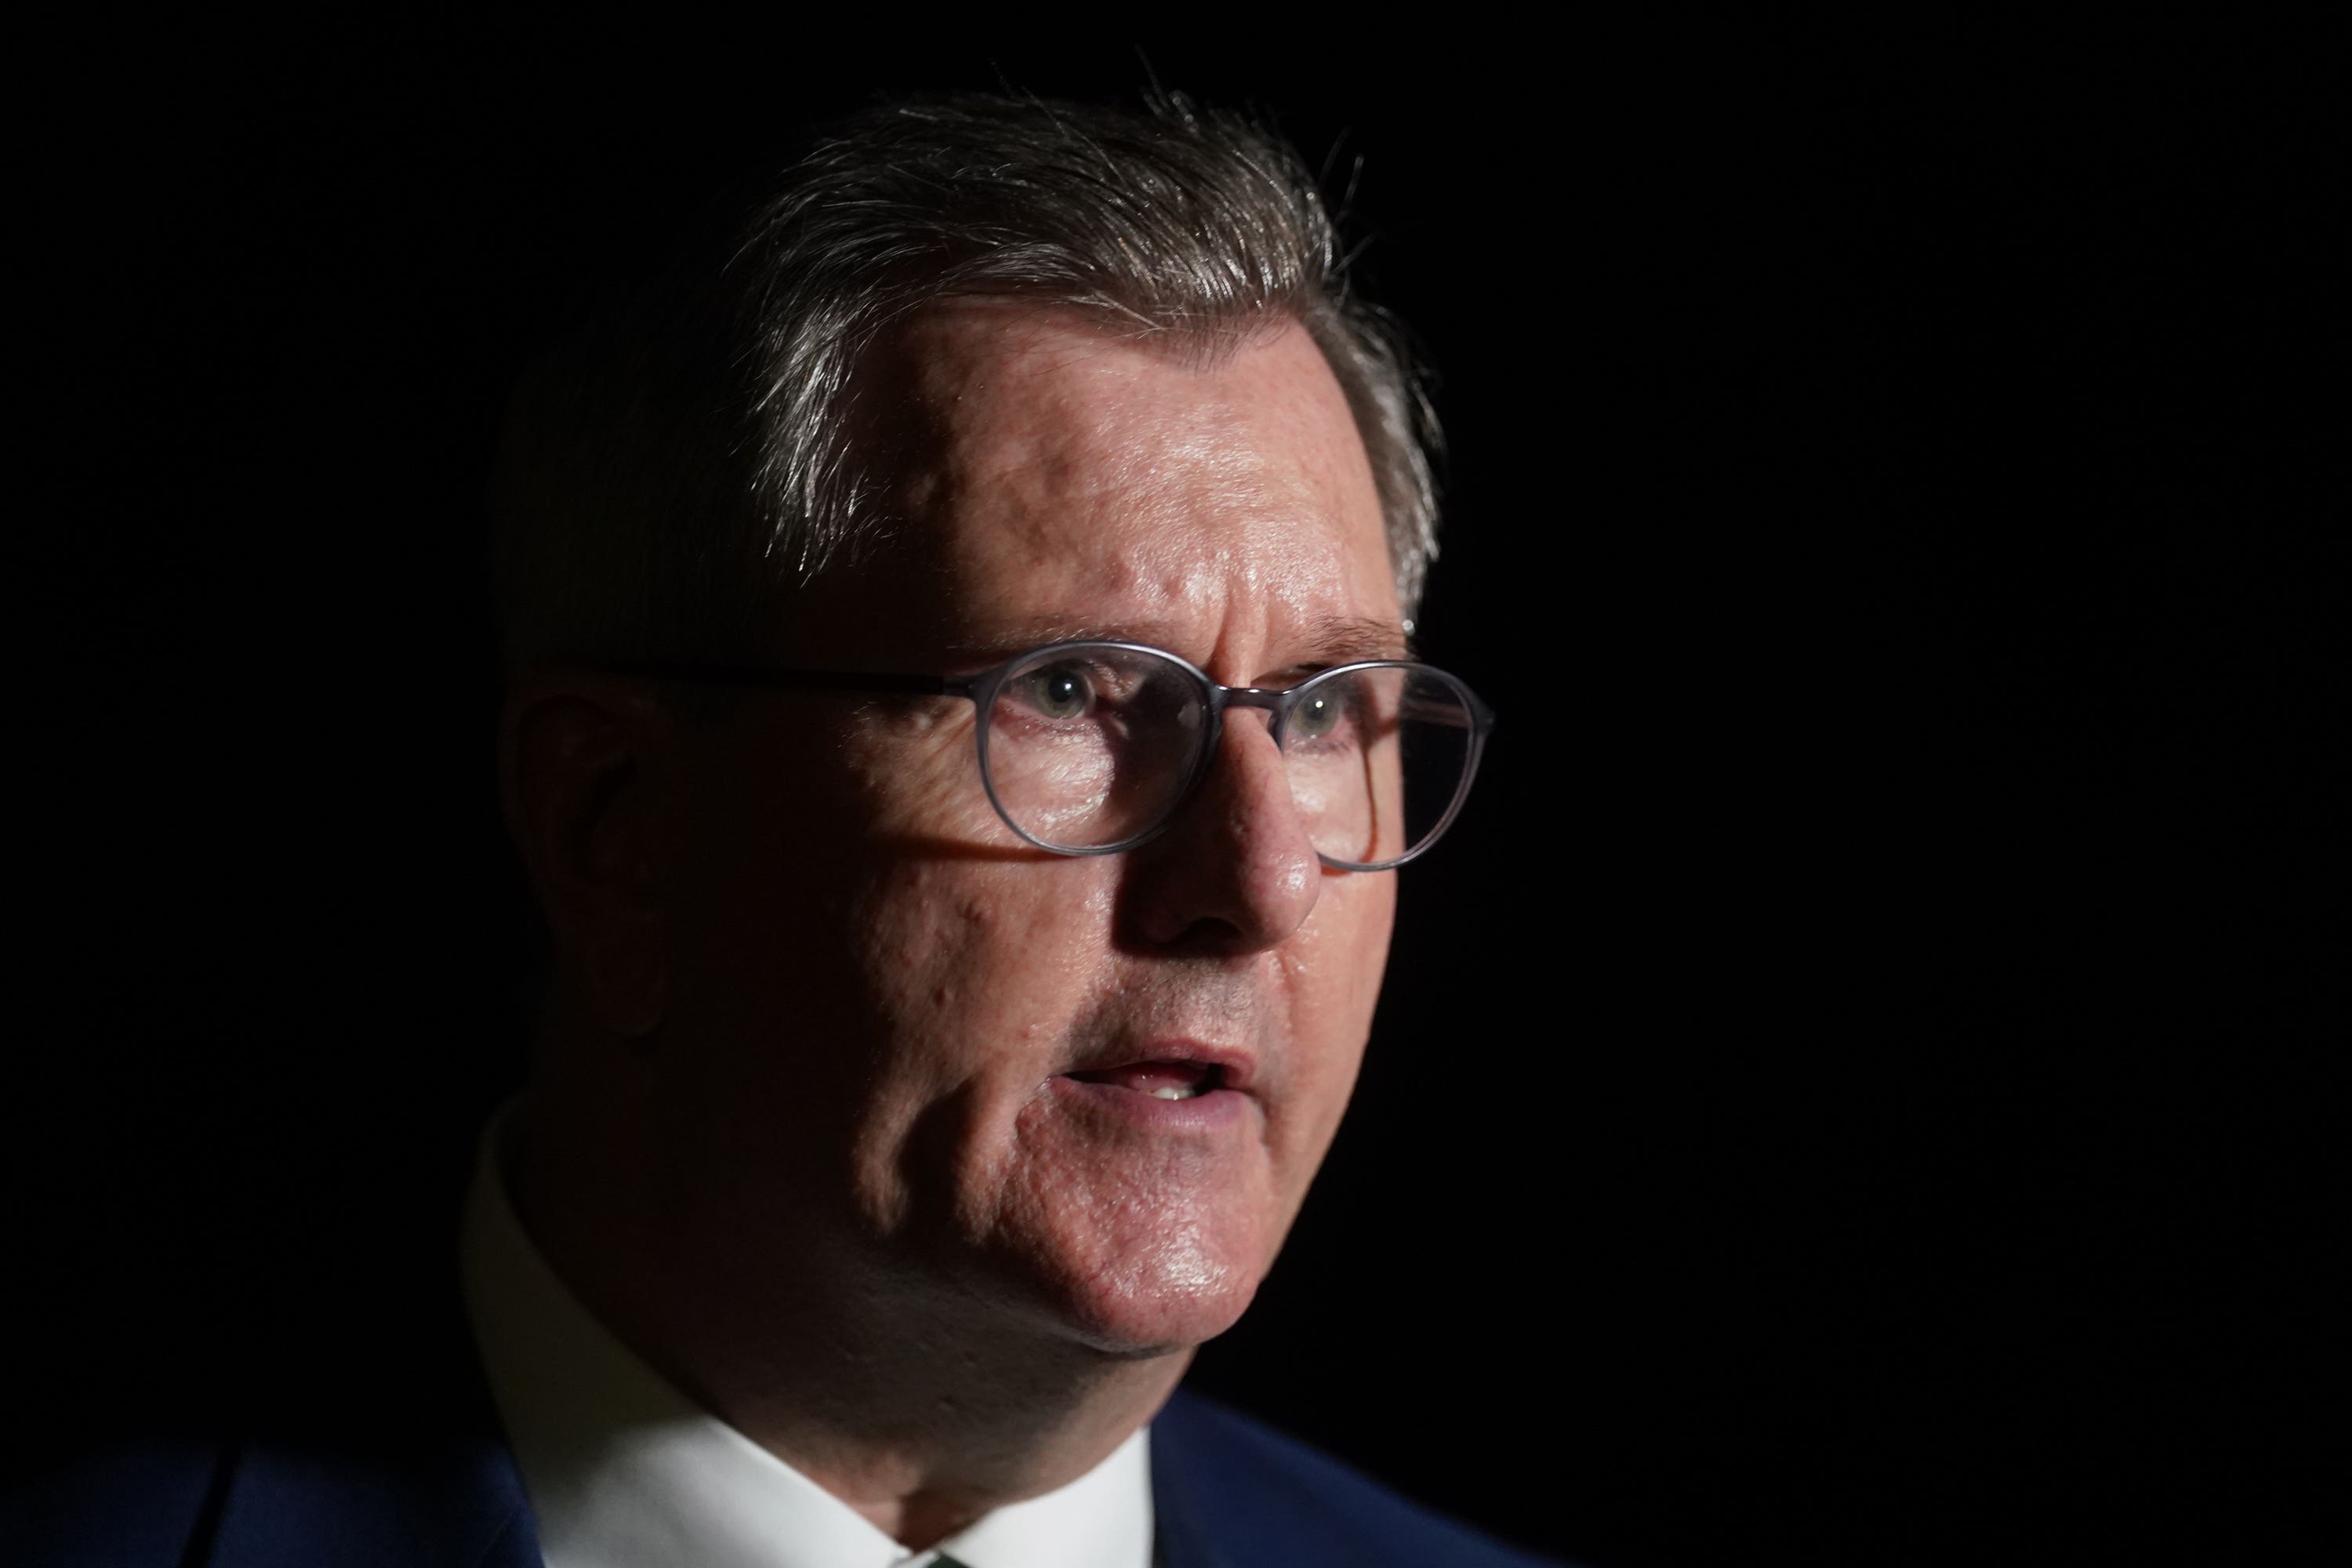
x=1327, y=639
x=1344, y=640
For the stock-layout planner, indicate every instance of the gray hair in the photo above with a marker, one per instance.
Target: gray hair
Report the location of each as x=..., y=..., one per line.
x=683, y=455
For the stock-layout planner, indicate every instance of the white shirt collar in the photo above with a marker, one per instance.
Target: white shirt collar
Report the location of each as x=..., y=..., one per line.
x=624, y=1471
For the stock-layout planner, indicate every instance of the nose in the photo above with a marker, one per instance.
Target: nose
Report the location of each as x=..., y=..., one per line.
x=1234, y=873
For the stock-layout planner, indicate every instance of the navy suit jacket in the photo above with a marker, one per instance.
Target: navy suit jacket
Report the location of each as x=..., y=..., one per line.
x=1228, y=1492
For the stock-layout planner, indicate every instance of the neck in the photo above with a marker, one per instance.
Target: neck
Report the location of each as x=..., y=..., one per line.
x=920, y=1403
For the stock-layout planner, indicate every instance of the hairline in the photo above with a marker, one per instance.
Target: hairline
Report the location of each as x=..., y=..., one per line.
x=659, y=568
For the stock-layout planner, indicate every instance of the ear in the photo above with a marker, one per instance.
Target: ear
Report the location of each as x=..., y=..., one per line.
x=590, y=776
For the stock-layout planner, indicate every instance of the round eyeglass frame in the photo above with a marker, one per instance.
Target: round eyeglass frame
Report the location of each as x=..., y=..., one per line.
x=981, y=688
x=1278, y=703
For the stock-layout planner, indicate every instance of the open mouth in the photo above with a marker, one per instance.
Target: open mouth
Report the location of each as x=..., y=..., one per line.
x=1160, y=1081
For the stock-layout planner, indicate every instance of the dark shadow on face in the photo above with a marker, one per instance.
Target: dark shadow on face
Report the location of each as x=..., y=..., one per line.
x=930, y=847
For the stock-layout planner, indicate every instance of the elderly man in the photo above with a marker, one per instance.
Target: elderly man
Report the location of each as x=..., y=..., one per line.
x=960, y=729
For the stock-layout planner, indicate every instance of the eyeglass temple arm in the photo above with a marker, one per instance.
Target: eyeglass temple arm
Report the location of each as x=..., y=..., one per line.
x=806, y=680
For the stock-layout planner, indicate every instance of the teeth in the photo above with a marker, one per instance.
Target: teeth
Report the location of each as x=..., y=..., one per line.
x=1173, y=1092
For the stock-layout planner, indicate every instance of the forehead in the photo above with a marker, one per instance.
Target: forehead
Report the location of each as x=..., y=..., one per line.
x=1048, y=477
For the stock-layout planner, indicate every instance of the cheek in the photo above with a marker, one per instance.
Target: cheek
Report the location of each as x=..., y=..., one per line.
x=1370, y=910
x=1333, y=966
x=982, y=955
x=973, y=970
x=1331, y=973
x=969, y=936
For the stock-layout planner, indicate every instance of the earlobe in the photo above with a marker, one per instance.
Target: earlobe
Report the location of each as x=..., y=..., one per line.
x=586, y=766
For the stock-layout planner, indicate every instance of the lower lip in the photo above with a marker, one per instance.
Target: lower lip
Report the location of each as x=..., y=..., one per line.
x=1210, y=1110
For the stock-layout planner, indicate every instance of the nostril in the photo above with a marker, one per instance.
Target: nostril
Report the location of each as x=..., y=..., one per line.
x=1209, y=933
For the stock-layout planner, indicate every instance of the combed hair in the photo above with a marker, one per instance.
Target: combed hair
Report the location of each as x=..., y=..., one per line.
x=683, y=455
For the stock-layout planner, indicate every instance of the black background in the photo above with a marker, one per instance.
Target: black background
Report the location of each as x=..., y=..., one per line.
x=1859, y=1082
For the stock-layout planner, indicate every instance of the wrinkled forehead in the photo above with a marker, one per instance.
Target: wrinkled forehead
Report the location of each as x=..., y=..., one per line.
x=1048, y=475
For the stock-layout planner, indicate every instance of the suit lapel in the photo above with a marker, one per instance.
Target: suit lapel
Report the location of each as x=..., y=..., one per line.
x=456, y=1504
x=1180, y=1531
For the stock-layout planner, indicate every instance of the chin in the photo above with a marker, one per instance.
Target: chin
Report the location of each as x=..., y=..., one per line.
x=1130, y=1294
x=1164, y=1312
x=1132, y=1240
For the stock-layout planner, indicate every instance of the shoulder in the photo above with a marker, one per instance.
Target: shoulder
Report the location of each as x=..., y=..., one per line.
x=137, y=1505
x=1245, y=1494
x=396, y=1463
x=273, y=1502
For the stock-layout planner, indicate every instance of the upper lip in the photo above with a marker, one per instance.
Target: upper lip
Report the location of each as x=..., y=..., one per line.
x=1236, y=1067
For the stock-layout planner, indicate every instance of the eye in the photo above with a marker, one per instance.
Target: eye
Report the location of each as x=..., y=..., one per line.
x=1317, y=716
x=1058, y=691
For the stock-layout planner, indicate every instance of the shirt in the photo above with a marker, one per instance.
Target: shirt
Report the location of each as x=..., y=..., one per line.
x=623, y=1471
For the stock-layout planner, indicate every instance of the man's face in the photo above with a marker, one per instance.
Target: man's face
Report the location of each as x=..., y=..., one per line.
x=881, y=994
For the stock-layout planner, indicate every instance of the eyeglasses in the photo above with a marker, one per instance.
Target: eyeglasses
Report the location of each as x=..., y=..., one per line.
x=1092, y=747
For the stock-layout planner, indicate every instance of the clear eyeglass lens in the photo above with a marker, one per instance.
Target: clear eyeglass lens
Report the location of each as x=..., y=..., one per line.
x=1377, y=759
x=1089, y=747
x=1092, y=746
